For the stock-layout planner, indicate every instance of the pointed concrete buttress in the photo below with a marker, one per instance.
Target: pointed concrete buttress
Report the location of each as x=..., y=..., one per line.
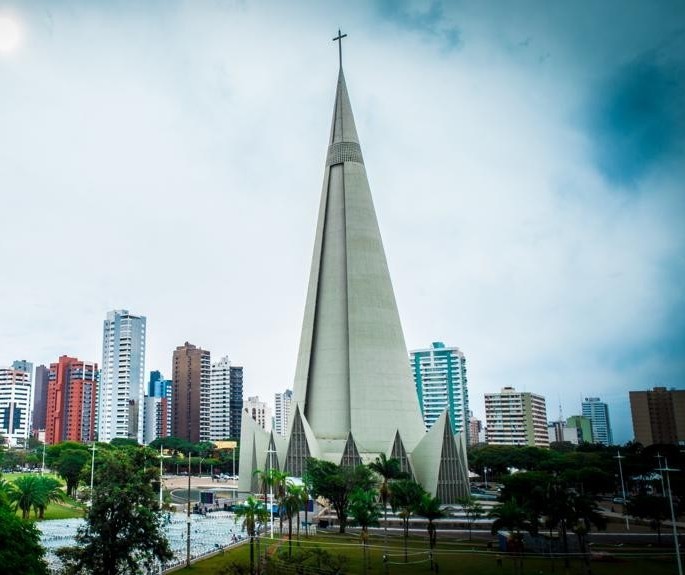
x=352, y=370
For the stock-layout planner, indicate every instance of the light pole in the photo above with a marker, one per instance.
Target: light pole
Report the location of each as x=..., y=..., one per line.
x=199, y=474
x=666, y=469
x=92, y=472
x=623, y=486
x=271, y=489
x=658, y=457
x=188, y=518
x=161, y=473
x=42, y=468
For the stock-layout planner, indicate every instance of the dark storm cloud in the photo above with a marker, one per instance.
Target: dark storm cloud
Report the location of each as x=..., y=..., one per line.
x=636, y=115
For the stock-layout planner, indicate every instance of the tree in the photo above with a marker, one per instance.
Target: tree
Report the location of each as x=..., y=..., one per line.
x=473, y=511
x=26, y=494
x=512, y=517
x=651, y=508
x=49, y=491
x=387, y=469
x=290, y=503
x=53, y=452
x=430, y=508
x=253, y=514
x=306, y=489
x=20, y=550
x=123, y=531
x=6, y=490
x=405, y=496
x=336, y=483
x=585, y=515
x=365, y=513
x=278, y=480
x=69, y=466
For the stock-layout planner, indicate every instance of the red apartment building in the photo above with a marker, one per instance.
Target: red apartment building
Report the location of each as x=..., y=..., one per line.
x=72, y=400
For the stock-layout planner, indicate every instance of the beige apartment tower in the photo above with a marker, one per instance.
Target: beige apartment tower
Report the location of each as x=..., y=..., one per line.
x=658, y=416
x=516, y=418
x=191, y=382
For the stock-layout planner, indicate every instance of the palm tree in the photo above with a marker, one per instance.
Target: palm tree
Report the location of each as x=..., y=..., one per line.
x=472, y=509
x=365, y=513
x=26, y=494
x=303, y=498
x=290, y=504
x=264, y=479
x=306, y=489
x=50, y=491
x=405, y=496
x=278, y=480
x=253, y=514
x=6, y=490
x=514, y=518
x=429, y=507
x=387, y=469
x=585, y=515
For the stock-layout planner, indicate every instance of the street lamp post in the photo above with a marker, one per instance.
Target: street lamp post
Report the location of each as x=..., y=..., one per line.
x=271, y=490
x=623, y=486
x=42, y=468
x=666, y=470
x=92, y=472
x=658, y=457
x=199, y=474
x=188, y=518
x=161, y=473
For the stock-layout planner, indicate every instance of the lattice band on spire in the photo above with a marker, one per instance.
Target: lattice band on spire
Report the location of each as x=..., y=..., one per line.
x=341, y=152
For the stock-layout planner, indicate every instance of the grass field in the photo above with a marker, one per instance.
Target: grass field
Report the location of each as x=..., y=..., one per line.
x=452, y=556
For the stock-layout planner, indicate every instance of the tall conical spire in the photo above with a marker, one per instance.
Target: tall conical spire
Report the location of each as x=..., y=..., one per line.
x=342, y=126
x=353, y=369
x=354, y=394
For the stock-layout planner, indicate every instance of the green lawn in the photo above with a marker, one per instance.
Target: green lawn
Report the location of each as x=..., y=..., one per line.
x=453, y=556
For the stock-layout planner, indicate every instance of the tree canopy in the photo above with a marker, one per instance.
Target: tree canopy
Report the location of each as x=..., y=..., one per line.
x=123, y=532
x=336, y=483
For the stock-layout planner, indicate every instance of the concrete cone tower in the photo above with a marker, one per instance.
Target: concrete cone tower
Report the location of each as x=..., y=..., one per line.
x=354, y=396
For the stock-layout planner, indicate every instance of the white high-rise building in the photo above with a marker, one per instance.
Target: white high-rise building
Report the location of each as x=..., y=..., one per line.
x=282, y=411
x=122, y=380
x=516, y=418
x=155, y=418
x=220, y=400
x=440, y=378
x=259, y=411
x=16, y=403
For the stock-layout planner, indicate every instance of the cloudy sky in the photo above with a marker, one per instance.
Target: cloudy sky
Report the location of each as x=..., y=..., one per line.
x=526, y=161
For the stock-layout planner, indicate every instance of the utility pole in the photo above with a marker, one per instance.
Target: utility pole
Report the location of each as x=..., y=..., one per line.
x=188, y=518
x=666, y=469
x=92, y=472
x=271, y=489
x=623, y=487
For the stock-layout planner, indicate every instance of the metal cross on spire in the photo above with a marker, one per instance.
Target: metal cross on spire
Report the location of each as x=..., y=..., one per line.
x=338, y=39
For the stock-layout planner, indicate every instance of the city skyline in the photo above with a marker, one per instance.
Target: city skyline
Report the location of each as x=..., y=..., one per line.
x=545, y=245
